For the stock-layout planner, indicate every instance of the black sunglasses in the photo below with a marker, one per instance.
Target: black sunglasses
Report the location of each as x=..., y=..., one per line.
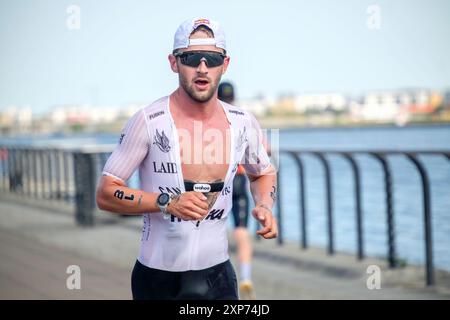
x=193, y=58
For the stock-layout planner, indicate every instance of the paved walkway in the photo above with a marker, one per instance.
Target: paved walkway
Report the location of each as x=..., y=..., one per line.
x=37, y=246
x=32, y=270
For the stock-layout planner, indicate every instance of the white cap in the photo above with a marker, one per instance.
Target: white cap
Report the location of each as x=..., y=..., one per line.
x=181, y=39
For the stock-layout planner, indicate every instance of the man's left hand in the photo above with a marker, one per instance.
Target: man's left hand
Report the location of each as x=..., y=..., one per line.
x=264, y=215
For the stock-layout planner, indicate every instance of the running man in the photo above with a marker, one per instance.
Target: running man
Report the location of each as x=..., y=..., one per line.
x=187, y=147
x=240, y=212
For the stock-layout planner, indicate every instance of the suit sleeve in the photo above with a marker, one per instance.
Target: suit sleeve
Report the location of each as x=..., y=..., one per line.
x=131, y=150
x=256, y=160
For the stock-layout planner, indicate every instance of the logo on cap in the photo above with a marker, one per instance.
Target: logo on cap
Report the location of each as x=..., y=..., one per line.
x=202, y=187
x=200, y=21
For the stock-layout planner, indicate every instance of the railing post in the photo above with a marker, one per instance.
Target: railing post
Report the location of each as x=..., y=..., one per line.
x=48, y=174
x=11, y=170
x=36, y=173
x=58, y=177
x=279, y=208
x=3, y=166
x=51, y=174
x=84, y=188
x=22, y=170
x=29, y=163
x=70, y=177
x=43, y=174
x=427, y=220
x=302, y=198
x=67, y=181
x=328, y=191
x=389, y=210
x=359, y=224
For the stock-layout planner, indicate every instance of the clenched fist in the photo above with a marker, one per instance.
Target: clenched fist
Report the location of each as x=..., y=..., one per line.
x=189, y=206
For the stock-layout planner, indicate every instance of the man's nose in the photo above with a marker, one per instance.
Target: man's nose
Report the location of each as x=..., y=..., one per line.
x=202, y=67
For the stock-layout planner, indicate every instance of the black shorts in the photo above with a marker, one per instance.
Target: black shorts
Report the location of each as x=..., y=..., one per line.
x=240, y=207
x=215, y=283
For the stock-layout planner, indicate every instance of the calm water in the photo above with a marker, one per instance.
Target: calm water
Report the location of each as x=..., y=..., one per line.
x=406, y=185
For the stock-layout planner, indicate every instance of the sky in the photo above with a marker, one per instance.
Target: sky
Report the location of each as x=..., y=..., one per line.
x=118, y=55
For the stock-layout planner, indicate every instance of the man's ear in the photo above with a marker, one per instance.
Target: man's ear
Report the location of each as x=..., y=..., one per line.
x=226, y=61
x=173, y=63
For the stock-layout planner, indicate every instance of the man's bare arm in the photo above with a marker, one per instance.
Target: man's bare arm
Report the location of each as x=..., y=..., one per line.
x=113, y=195
x=263, y=189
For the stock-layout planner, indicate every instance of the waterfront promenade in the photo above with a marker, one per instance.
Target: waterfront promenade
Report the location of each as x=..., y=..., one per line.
x=39, y=242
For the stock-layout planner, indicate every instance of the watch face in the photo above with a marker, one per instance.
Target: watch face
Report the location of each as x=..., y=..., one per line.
x=163, y=199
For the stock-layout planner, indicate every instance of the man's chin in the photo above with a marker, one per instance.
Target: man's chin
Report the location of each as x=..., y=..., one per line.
x=202, y=98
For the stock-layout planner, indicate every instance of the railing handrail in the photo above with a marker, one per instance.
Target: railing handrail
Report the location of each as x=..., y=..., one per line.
x=367, y=151
x=90, y=148
x=100, y=148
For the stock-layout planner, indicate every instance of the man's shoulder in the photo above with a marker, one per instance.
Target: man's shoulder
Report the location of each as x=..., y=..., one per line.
x=159, y=104
x=236, y=110
x=154, y=109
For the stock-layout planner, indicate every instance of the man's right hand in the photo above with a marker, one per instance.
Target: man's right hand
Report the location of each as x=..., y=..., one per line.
x=189, y=206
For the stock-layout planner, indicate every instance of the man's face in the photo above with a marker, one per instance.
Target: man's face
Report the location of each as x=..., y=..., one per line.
x=201, y=82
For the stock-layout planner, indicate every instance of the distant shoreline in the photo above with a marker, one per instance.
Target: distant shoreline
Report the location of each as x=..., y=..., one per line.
x=286, y=126
x=281, y=124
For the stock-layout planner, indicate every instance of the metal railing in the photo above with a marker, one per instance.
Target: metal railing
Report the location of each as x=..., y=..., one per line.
x=65, y=176
x=39, y=173
x=71, y=176
x=381, y=156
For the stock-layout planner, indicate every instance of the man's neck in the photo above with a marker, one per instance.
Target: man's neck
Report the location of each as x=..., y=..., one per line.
x=187, y=107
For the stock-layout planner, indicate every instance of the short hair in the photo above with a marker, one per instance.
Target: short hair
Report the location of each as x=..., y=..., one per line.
x=205, y=29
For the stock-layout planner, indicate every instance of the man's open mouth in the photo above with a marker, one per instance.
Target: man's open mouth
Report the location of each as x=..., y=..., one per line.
x=201, y=82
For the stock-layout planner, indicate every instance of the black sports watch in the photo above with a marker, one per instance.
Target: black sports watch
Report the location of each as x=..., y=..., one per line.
x=163, y=201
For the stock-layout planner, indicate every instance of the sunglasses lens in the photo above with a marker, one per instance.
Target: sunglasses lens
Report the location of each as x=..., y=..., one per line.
x=193, y=59
x=214, y=60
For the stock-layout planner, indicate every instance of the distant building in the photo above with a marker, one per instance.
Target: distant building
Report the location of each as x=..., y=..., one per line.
x=396, y=105
x=69, y=115
x=72, y=114
x=104, y=114
x=285, y=105
x=447, y=99
x=320, y=102
x=16, y=119
x=258, y=106
x=379, y=106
